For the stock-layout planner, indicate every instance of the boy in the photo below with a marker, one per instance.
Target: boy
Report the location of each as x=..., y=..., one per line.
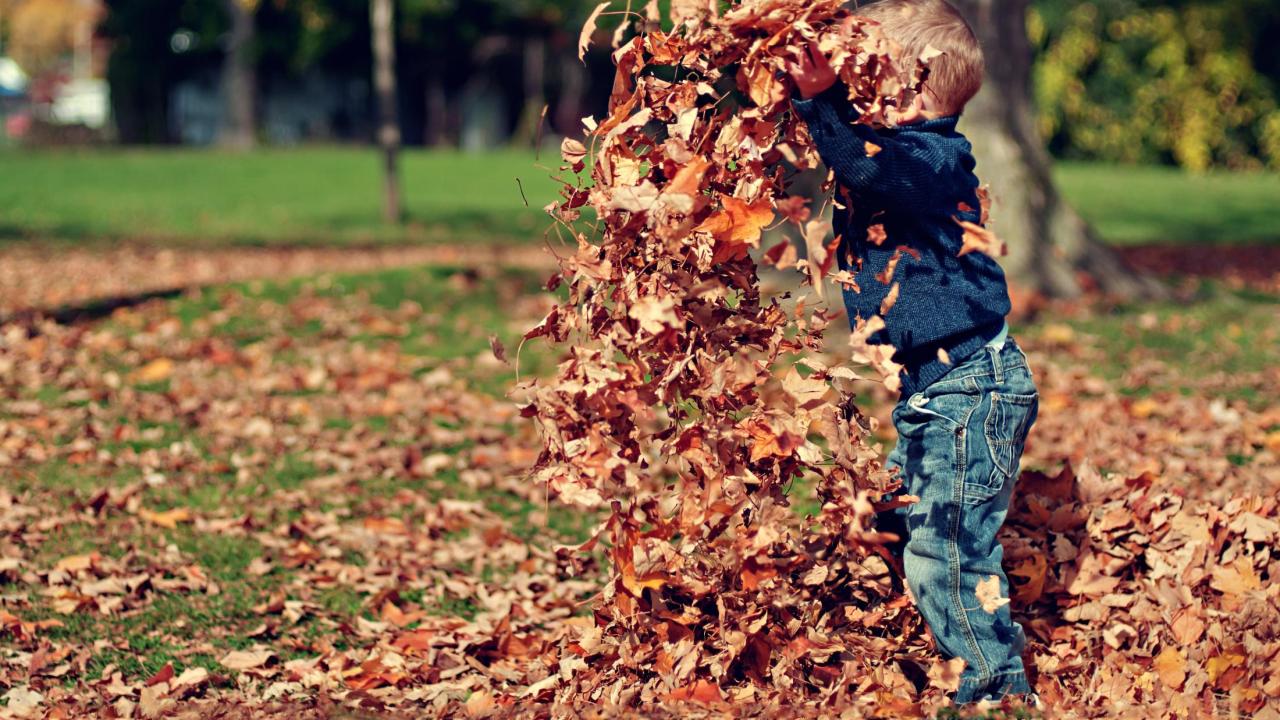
x=967, y=394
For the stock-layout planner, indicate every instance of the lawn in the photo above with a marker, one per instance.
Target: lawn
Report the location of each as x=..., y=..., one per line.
x=331, y=195
x=1137, y=205
x=294, y=475
x=321, y=195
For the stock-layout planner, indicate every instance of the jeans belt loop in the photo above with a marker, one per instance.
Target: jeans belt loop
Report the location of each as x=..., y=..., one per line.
x=995, y=364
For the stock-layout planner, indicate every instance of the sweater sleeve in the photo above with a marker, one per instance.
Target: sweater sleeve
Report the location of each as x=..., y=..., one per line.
x=904, y=172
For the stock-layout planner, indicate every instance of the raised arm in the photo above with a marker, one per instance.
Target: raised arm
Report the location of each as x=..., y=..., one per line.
x=897, y=172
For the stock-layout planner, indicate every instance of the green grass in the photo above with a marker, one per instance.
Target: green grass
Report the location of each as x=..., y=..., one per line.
x=1222, y=332
x=314, y=195
x=1138, y=205
x=333, y=195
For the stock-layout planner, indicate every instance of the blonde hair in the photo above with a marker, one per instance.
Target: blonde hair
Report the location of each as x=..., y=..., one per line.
x=914, y=25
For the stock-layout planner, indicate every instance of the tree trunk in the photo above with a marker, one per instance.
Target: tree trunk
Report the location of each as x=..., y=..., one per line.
x=573, y=88
x=381, y=16
x=437, y=112
x=535, y=99
x=1051, y=249
x=239, y=77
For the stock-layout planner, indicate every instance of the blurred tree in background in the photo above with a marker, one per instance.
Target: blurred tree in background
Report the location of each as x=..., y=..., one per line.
x=1194, y=83
x=450, y=53
x=155, y=43
x=1189, y=83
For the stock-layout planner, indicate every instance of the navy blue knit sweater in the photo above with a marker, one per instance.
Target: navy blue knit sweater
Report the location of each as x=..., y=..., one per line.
x=915, y=185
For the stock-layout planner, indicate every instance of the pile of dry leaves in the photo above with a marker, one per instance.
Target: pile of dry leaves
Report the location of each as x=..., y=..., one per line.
x=679, y=410
x=1140, y=598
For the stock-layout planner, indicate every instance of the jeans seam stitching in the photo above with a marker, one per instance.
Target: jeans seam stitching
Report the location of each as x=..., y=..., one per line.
x=953, y=550
x=991, y=442
x=996, y=397
x=949, y=380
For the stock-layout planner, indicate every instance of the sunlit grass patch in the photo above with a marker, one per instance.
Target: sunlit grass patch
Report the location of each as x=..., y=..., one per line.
x=1218, y=334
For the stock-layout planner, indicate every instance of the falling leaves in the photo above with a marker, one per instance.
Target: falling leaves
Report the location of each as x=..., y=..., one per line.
x=498, y=349
x=676, y=406
x=589, y=28
x=979, y=239
x=674, y=410
x=740, y=222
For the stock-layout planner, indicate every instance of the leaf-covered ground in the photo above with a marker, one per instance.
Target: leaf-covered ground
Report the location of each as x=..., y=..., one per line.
x=295, y=497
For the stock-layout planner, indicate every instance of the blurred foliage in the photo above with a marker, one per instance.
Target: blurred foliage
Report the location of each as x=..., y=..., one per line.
x=38, y=33
x=1171, y=82
x=1193, y=83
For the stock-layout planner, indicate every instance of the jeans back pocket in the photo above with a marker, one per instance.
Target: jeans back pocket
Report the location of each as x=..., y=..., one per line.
x=1007, y=423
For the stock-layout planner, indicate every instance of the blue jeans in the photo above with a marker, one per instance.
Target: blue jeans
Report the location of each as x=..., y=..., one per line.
x=959, y=443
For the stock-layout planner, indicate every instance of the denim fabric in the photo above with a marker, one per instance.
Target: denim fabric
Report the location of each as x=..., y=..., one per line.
x=959, y=443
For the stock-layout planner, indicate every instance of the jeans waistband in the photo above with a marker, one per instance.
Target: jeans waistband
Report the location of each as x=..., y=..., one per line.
x=924, y=366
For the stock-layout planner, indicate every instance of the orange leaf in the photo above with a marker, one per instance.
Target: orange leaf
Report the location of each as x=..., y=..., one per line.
x=385, y=526
x=167, y=518
x=739, y=223
x=1171, y=666
x=1219, y=670
x=688, y=179
x=1237, y=578
x=980, y=239
x=165, y=674
x=753, y=575
x=76, y=563
x=480, y=704
x=766, y=442
x=154, y=371
x=415, y=640
x=700, y=691
x=1187, y=626
x=635, y=584
x=762, y=86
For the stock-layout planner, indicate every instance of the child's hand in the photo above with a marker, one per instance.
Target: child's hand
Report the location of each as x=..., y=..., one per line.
x=810, y=71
